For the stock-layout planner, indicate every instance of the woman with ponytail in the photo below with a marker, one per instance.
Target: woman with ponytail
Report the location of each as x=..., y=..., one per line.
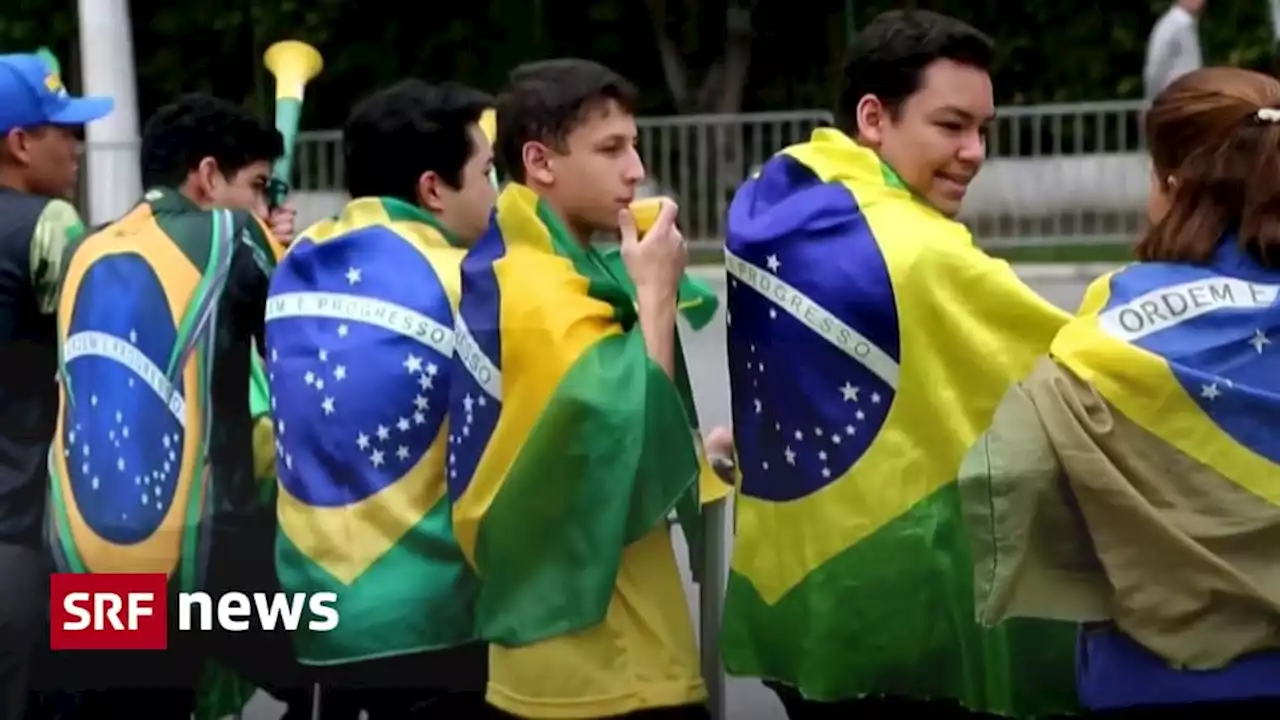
x=1132, y=482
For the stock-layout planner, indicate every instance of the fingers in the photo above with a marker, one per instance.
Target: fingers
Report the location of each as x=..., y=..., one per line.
x=627, y=227
x=666, y=219
x=719, y=442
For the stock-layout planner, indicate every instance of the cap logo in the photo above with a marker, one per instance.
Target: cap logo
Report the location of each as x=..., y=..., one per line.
x=53, y=83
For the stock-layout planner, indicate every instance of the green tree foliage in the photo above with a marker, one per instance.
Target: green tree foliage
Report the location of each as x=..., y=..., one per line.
x=686, y=55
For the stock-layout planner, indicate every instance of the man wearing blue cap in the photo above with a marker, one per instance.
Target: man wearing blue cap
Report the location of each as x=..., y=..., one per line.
x=39, y=163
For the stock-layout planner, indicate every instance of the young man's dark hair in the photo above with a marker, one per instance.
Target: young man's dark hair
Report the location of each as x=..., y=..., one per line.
x=396, y=134
x=196, y=126
x=888, y=57
x=544, y=101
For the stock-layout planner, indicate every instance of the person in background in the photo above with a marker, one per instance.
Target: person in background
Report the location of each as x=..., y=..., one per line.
x=152, y=465
x=869, y=342
x=40, y=126
x=360, y=409
x=571, y=417
x=1136, y=470
x=1173, y=49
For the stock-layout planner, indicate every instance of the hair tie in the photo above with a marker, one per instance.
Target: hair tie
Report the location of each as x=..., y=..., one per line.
x=1268, y=115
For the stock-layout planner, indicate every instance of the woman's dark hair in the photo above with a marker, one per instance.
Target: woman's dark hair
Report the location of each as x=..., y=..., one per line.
x=1214, y=136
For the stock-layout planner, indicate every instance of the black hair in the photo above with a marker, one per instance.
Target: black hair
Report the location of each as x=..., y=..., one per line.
x=545, y=101
x=396, y=134
x=181, y=134
x=888, y=57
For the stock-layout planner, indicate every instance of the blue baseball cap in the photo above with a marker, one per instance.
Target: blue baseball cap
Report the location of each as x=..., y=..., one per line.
x=31, y=94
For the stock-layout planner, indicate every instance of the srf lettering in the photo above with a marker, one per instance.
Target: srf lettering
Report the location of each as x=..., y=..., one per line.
x=108, y=611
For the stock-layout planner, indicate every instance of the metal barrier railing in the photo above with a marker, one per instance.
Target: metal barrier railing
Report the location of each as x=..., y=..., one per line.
x=1070, y=173
x=1059, y=174
x=711, y=591
x=697, y=159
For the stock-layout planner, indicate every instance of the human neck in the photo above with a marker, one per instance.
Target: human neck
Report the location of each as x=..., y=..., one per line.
x=580, y=232
x=12, y=179
x=187, y=191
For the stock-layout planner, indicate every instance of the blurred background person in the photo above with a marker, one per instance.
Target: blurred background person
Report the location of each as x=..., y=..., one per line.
x=1173, y=49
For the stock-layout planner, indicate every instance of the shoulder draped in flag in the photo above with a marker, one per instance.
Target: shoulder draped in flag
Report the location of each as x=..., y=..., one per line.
x=359, y=340
x=1158, y=494
x=568, y=441
x=869, y=344
x=128, y=473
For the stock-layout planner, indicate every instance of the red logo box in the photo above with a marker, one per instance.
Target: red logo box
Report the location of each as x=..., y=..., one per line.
x=108, y=611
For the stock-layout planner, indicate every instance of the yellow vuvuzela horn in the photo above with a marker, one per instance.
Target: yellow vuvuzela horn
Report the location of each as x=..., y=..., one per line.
x=294, y=64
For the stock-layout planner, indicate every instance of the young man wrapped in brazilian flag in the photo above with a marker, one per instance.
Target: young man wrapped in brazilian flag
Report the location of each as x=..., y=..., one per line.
x=869, y=346
x=152, y=466
x=359, y=345
x=572, y=427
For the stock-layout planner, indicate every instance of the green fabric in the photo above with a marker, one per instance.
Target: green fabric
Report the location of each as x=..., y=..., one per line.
x=50, y=60
x=1031, y=551
x=920, y=609
x=378, y=608
x=609, y=280
x=698, y=301
x=617, y=488
x=259, y=408
x=401, y=211
x=221, y=692
x=288, y=115
x=259, y=390
x=544, y=577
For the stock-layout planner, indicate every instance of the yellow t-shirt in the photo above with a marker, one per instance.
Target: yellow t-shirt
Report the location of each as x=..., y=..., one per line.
x=642, y=656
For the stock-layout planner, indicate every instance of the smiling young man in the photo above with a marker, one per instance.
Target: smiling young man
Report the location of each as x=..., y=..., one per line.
x=851, y=585
x=921, y=99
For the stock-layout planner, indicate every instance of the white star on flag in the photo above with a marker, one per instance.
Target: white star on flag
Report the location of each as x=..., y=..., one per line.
x=122, y=457
x=824, y=448
x=471, y=405
x=388, y=445
x=1259, y=341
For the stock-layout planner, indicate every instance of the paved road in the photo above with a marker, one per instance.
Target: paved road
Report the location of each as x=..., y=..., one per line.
x=748, y=699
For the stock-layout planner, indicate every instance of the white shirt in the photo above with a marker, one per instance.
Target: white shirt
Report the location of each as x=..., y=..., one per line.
x=1173, y=50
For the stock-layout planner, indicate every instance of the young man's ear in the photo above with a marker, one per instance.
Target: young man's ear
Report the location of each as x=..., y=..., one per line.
x=430, y=195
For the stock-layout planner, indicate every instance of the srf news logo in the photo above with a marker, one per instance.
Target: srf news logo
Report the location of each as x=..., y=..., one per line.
x=108, y=611
x=129, y=611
